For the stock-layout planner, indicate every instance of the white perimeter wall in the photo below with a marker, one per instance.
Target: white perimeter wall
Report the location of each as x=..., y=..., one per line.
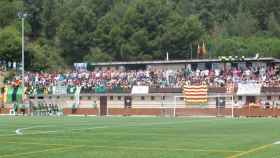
x=137, y=102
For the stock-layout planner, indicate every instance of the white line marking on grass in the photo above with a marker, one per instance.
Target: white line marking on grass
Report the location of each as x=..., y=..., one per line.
x=277, y=143
x=37, y=133
x=32, y=127
x=124, y=147
x=253, y=150
x=99, y=127
x=18, y=132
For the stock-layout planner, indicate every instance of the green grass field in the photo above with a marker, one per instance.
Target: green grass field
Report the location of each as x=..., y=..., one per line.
x=128, y=137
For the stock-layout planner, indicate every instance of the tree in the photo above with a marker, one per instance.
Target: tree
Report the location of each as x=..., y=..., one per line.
x=179, y=34
x=10, y=44
x=146, y=30
x=261, y=10
x=34, y=10
x=49, y=19
x=121, y=30
x=96, y=55
x=43, y=57
x=76, y=33
x=241, y=46
x=273, y=26
x=243, y=24
x=9, y=10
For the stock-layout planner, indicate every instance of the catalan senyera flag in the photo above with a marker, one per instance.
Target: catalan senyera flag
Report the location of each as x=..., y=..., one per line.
x=195, y=94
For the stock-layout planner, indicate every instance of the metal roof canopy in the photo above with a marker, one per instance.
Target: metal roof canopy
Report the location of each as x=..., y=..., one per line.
x=268, y=59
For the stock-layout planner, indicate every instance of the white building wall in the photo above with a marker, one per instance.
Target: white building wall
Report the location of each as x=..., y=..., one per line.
x=116, y=102
x=138, y=102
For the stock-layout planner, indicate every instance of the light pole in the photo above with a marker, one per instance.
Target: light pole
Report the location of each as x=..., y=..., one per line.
x=22, y=16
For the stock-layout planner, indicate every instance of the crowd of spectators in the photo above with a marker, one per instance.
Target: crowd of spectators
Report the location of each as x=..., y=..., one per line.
x=267, y=76
x=155, y=78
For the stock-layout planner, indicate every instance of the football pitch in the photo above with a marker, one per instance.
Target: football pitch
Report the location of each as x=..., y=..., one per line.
x=142, y=137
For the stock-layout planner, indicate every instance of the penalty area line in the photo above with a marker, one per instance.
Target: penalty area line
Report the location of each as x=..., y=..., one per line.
x=253, y=150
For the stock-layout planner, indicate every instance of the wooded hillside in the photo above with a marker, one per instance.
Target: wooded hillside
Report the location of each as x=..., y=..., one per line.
x=60, y=32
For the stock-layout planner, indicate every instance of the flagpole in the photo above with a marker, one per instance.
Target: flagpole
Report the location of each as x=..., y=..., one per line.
x=22, y=50
x=198, y=51
x=22, y=16
x=191, y=51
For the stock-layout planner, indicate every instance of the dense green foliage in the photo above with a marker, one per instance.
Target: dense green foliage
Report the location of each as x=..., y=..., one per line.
x=126, y=137
x=119, y=30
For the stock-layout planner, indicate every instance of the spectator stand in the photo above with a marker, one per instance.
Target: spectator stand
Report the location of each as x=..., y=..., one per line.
x=110, y=85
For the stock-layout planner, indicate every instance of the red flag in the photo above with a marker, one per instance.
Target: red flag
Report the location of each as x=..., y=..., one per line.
x=204, y=51
x=198, y=50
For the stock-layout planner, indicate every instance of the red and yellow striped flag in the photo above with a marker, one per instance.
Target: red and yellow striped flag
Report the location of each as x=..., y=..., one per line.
x=195, y=94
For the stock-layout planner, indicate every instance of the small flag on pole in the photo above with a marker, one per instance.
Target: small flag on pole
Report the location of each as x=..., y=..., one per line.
x=204, y=51
x=198, y=51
